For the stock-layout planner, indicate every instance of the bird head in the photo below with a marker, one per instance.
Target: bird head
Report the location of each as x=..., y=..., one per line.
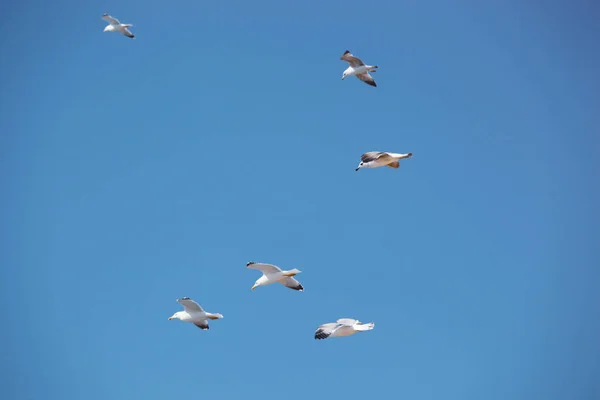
x=174, y=316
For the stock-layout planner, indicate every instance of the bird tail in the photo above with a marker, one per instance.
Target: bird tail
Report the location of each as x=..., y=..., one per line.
x=215, y=316
x=365, y=327
x=127, y=25
x=292, y=272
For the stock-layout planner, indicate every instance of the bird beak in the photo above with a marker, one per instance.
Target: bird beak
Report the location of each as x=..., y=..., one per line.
x=357, y=169
x=253, y=287
x=170, y=318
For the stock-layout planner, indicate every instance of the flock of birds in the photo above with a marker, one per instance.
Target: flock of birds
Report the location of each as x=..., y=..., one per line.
x=194, y=313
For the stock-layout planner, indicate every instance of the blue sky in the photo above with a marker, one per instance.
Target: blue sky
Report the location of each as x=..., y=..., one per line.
x=139, y=171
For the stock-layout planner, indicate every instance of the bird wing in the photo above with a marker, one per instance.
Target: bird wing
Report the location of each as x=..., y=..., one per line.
x=371, y=156
x=128, y=33
x=346, y=321
x=364, y=327
x=350, y=59
x=366, y=78
x=190, y=305
x=291, y=283
x=264, y=268
x=326, y=330
x=111, y=20
x=202, y=324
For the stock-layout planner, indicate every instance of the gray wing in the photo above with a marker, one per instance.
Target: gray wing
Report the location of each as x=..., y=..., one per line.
x=325, y=330
x=366, y=78
x=350, y=59
x=371, y=156
x=128, y=33
x=202, y=325
x=264, y=268
x=292, y=283
x=190, y=305
x=111, y=20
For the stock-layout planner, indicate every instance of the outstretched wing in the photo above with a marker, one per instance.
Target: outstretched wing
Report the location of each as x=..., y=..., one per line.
x=292, y=283
x=111, y=20
x=128, y=33
x=371, y=156
x=190, y=305
x=202, y=324
x=264, y=268
x=350, y=59
x=366, y=78
x=325, y=330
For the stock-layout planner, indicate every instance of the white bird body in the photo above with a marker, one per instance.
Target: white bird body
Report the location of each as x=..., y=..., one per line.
x=375, y=159
x=342, y=327
x=194, y=313
x=351, y=71
x=273, y=274
x=116, y=26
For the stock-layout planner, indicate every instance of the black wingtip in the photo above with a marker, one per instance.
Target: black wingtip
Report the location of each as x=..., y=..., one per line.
x=298, y=288
x=320, y=335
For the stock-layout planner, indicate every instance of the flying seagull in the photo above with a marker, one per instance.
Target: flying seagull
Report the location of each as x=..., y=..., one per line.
x=342, y=327
x=358, y=69
x=192, y=312
x=374, y=159
x=116, y=26
x=272, y=274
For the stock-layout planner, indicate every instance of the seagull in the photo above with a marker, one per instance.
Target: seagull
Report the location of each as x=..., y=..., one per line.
x=374, y=159
x=342, y=327
x=358, y=69
x=116, y=26
x=194, y=313
x=272, y=274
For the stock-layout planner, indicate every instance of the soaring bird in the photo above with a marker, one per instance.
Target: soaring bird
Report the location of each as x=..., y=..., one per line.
x=192, y=312
x=273, y=274
x=116, y=26
x=374, y=159
x=358, y=69
x=342, y=327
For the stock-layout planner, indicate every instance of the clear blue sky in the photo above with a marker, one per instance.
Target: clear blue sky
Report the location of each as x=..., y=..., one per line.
x=138, y=171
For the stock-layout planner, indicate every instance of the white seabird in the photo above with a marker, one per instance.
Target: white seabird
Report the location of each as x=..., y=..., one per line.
x=116, y=26
x=374, y=159
x=342, y=327
x=192, y=312
x=358, y=69
x=273, y=274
